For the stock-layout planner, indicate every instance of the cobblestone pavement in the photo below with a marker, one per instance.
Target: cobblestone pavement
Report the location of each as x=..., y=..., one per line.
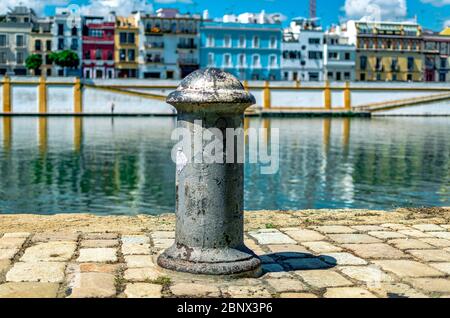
x=364, y=260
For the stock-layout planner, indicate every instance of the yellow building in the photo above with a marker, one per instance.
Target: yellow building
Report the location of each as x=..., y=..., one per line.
x=126, y=47
x=41, y=43
x=387, y=51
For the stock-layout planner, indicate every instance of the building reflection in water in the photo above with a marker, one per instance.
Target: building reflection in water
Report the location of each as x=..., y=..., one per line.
x=88, y=164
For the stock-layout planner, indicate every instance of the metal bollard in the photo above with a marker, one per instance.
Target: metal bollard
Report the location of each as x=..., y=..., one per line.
x=209, y=204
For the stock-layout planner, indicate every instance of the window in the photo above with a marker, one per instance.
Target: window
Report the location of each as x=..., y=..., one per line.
x=315, y=55
x=256, y=62
x=313, y=76
x=241, y=59
x=110, y=56
x=333, y=55
x=3, y=39
x=48, y=61
x=347, y=56
x=2, y=57
x=210, y=41
x=211, y=59
x=362, y=77
x=347, y=76
x=131, y=55
x=60, y=44
x=442, y=77
x=98, y=54
x=409, y=77
x=410, y=63
x=131, y=37
x=88, y=74
x=61, y=29
x=122, y=55
x=273, y=42
x=20, y=42
x=48, y=45
x=273, y=61
x=256, y=42
x=95, y=33
x=363, y=62
x=379, y=64
x=227, y=60
x=315, y=41
x=242, y=41
x=123, y=37
x=338, y=76
x=74, y=31
x=443, y=63
x=37, y=45
x=74, y=45
x=227, y=41
x=19, y=58
x=87, y=55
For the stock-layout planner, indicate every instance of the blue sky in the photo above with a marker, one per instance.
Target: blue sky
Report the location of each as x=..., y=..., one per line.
x=432, y=14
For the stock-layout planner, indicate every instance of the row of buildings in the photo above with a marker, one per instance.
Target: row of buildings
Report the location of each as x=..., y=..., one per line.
x=170, y=45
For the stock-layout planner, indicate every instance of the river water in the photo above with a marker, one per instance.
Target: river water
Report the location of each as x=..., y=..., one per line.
x=122, y=165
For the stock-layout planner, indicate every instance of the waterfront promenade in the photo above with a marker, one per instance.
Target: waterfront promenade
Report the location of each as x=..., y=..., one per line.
x=306, y=254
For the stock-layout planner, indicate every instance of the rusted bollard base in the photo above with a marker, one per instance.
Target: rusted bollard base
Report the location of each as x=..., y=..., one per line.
x=230, y=262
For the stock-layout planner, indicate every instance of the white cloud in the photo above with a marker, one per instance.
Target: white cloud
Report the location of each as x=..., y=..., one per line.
x=174, y=1
x=437, y=3
x=447, y=24
x=37, y=5
x=376, y=9
x=121, y=7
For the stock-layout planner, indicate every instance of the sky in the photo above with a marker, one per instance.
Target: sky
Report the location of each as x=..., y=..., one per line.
x=432, y=14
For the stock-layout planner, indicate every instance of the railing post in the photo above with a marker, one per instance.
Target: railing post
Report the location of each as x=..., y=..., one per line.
x=209, y=235
x=266, y=93
x=6, y=94
x=347, y=97
x=42, y=95
x=78, y=97
x=327, y=95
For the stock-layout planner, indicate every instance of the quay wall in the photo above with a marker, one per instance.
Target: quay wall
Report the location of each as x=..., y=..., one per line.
x=69, y=96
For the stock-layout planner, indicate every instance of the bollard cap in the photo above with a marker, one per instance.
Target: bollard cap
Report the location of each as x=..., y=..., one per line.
x=210, y=89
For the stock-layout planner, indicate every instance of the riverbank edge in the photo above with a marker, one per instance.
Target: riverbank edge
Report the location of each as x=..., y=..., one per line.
x=88, y=223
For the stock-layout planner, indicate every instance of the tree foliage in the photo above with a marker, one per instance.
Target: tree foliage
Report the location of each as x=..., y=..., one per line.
x=33, y=62
x=66, y=58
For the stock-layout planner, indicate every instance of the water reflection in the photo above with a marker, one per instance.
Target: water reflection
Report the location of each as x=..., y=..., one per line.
x=123, y=166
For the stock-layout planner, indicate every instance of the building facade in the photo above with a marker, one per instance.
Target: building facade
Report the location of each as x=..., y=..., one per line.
x=15, y=33
x=338, y=57
x=41, y=43
x=436, y=49
x=98, y=47
x=250, y=51
x=386, y=51
x=126, y=47
x=67, y=28
x=303, y=46
x=168, y=45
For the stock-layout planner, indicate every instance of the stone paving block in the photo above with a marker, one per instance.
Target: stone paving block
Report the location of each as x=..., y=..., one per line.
x=135, y=239
x=92, y=285
x=286, y=249
x=415, y=233
x=353, y=238
x=297, y=295
x=445, y=226
x=323, y=279
x=5, y=265
x=278, y=271
x=163, y=243
x=395, y=226
x=142, y=274
x=297, y=264
x=405, y=244
x=49, y=252
x=443, y=267
x=29, y=290
x=17, y=235
x=99, y=243
x=321, y=247
x=139, y=261
x=143, y=290
x=386, y=234
x=8, y=253
x=45, y=272
x=335, y=229
x=342, y=259
x=136, y=249
x=437, y=242
x=431, y=285
x=195, y=290
x=253, y=246
x=60, y=236
x=443, y=235
x=12, y=242
x=367, y=228
x=99, y=268
x=428, y=227
x=282, y=285
x=348, y=292
x=433, y=255
x=271, y=237
x=303, y=235
x=371, y=275
x=376, y=251
x=163, y=235
x=248, y=291
x=396, y=290
x=408, y=268
x=101, y=236
x=97, y=255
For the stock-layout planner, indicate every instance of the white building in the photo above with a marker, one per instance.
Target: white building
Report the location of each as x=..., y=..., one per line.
x=168, y=45
x=302, y=57
x=338, y=56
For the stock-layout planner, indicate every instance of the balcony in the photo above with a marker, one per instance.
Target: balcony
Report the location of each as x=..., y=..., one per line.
x=154, y=45
x=187, y=46
x=154, y=60
x=188, y=61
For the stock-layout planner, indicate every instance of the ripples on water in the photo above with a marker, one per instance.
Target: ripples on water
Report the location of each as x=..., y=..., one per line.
x=122, y=165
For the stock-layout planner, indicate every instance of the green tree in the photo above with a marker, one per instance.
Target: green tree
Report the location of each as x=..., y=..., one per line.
x=33, y=62
x=65, y=59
